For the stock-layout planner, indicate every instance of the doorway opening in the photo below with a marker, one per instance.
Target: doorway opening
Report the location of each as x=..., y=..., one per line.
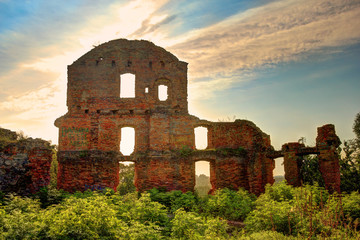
x=126, y=178
x=279, y=172
x=202, y=178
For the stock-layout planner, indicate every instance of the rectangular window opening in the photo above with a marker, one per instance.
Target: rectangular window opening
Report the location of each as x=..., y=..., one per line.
x=127, y=85
x=163, y=92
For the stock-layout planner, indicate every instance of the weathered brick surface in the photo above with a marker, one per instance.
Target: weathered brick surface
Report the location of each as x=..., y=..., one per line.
x=25, y=166
x=326, y=149
x=292, y=162
x=164, y=154
x=327, y=142
x=82, y=170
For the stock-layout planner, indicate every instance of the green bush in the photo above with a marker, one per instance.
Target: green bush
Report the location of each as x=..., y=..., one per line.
x=351, y=205
x=266, y=235
x=21, y=204
x=280, y=192
x=21, y=219
x=50, y=196
x=305, y=212
x=145, y=211
x=84, y=218
x=2, y=218
x=140, y=231
x=175, y=199
x=190, y=225
x=288, y=210
x=136, y=211
x=272, y=215
x=229, y=204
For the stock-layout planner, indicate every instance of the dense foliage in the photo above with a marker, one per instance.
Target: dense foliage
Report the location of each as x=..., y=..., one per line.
x=309, y=171
x=282, y=212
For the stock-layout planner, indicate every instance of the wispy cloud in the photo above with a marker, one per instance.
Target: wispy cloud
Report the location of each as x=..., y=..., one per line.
x=278, y=32
x=151, y=24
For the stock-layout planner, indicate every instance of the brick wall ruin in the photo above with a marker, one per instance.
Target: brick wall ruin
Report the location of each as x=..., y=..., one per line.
x=239, y=153
x=24, y=164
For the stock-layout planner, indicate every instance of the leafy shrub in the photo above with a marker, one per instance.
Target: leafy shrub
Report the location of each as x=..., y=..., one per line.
x=305, y=212
x=21, y=204
x=187, y=201
x=190, y=225
x=229, y=204
x=50, y=196
x=288, y=210
x=271, y=215
x=21, y=219
x=318, y=195
x=309, y=171
x=145, y=211
x=266, y=235
x=2, y=218
x=279, y=192
x=175, y=199
x=142, y=231
x=136, y=211
x=351, y=205
x=309, y=207
x=84, y=218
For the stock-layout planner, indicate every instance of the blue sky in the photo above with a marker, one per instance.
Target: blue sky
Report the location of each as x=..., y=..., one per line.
x=287, y=65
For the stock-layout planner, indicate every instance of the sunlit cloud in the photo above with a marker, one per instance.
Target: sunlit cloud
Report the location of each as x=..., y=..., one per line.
x=278, y=32
x=34, y=75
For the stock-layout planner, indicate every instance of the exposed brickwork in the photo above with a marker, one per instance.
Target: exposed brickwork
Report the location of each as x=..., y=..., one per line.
x=292, y=162
x=164, y=154
x=326, y=143
x=25, y=166
x=82, y=170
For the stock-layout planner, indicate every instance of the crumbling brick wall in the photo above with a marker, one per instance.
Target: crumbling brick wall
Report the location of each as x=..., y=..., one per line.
x=24, y=165
x=164, y=152
x=327, y=143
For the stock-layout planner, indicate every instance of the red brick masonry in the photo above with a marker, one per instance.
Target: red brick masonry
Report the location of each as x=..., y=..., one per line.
x=240, y=154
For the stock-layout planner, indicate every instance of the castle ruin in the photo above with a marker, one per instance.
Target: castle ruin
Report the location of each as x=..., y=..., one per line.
x=239, y=153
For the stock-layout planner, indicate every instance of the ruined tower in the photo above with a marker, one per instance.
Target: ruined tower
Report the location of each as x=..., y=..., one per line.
x=164, y=152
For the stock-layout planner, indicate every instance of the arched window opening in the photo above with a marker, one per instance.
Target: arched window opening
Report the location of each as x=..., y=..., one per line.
x=127, y=143
x=163, y=92
x=279, y=171
x=202, y=178
x=201, y=138
x=127, y=85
